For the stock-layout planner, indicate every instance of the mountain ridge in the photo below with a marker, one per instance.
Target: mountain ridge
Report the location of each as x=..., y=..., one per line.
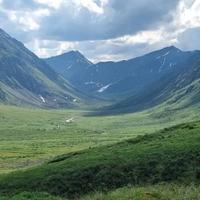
x=149, y=78
x=61, y=81
x=27, y=80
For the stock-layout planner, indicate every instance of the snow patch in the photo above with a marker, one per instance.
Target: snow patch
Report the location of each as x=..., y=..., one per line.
x=158, y=57
x=42, y=98
x=90, y=83
x=172, y=65
x=166, y=54
x=75, y=100
x=69, y=67
x=104, y=88
x=70, y=120
x=161, y=67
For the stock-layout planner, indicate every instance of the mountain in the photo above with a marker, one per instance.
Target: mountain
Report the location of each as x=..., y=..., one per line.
x=176, y=89
x=26, y=79
x=71, y=65
x=133, y=79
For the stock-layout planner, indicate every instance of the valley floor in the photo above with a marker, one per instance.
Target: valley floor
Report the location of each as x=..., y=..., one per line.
x=68, y=154
x=29, y=137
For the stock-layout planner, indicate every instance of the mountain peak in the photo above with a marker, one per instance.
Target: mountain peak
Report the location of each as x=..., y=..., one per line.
x=71, y=56
x=172, y=48
x=75, y=53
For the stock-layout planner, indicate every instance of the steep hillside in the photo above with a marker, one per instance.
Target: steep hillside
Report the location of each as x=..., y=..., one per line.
x=155, y=192
x=27, y=80
x=171, y=155
x=177, y=89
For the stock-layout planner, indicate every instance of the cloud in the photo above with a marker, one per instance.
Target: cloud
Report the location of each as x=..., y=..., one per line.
x=102, y=29
x=91, y=5
x=95, y=19
x=82, y=20
x=18, y=4
x=52, y=4
x=189, y=39
x=46, y=48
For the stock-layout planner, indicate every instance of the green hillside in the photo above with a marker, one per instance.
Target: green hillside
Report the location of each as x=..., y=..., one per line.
x=31, y=196
x=29, y=137
x=156, y=192
x=170, y=155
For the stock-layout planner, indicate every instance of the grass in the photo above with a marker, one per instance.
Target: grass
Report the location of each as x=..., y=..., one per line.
x=44, y=157
x=157, y=192
x=170, y=155
x=31, y=196
x=29, y=137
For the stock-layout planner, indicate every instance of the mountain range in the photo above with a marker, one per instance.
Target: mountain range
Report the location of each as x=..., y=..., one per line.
x=26, y=79
x=168, y=76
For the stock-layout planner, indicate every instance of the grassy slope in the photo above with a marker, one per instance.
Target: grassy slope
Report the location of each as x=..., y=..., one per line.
x=158, y=192
x=169, y=155
x=31, y=196
x=29, y=137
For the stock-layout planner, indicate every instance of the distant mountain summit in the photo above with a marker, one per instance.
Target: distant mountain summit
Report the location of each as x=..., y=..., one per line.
x=26, y=79
x=69, y=64
x=111, y=79
x=137, y=83
x=73, y=66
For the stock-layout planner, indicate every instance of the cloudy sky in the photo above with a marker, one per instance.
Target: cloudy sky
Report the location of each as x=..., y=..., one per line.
x=102, y=29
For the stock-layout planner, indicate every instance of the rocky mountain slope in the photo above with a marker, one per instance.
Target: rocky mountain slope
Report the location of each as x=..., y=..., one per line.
x=26, y=79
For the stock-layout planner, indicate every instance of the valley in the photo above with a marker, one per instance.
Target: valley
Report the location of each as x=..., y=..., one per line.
x=98, y=161
x=74, y=129
x=33, y=136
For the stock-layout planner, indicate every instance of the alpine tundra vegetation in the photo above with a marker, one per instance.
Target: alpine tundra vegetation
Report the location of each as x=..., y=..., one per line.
x=99, y=100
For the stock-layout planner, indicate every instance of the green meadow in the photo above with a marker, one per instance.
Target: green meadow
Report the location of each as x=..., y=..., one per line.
x=29, y=137
x=157, y=192
x=73, y=154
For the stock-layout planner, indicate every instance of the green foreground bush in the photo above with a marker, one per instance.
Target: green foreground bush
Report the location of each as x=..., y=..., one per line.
x=172, y=155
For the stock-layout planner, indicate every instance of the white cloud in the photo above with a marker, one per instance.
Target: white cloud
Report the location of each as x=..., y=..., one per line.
x=127, y=46
x=101, y=29
x=26, y=20
x=41, y=12
x=46, y=48
x=28, y=23
x=51, y=3
x=149, y=37
x=189, y=13
x=91, y=5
